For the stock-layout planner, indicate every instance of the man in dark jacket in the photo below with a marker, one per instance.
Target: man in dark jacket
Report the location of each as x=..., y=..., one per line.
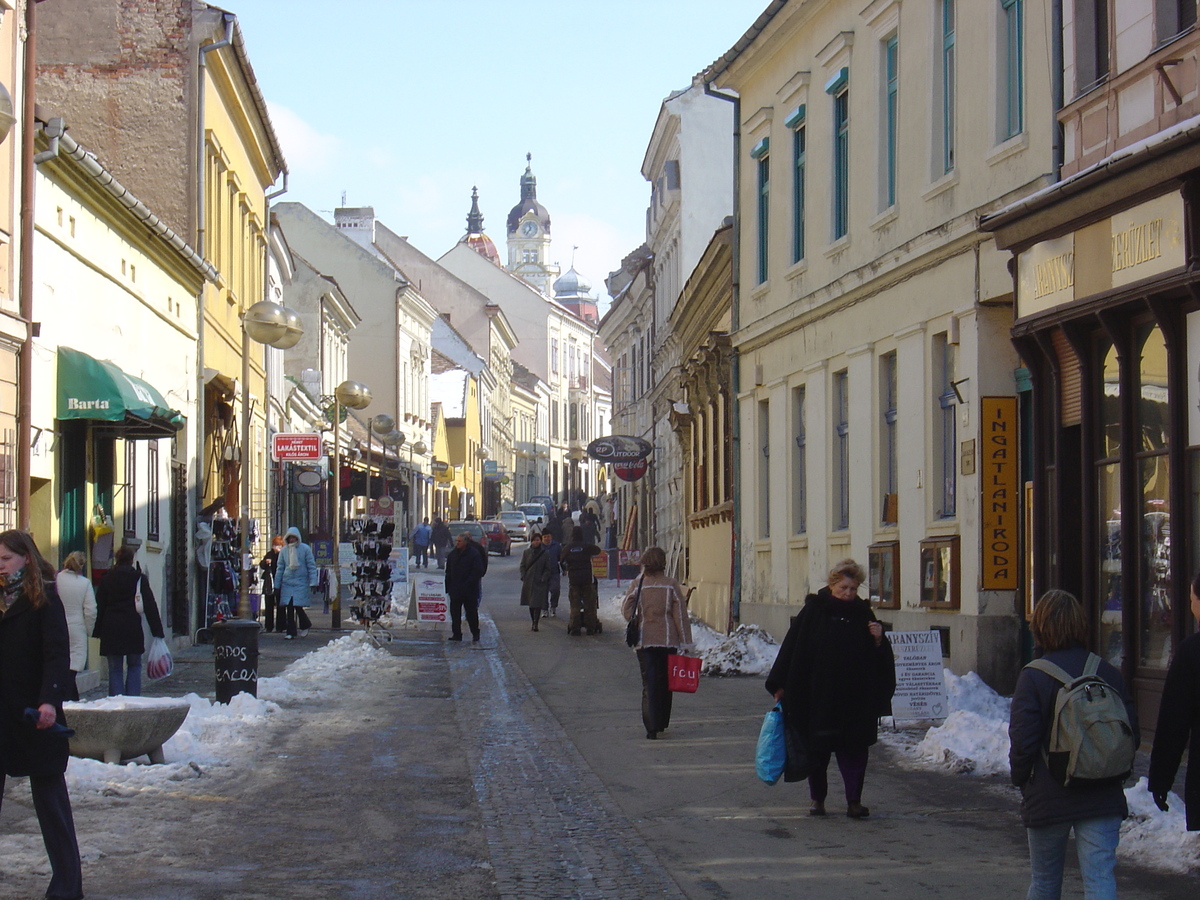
x=581, y=583
x=1179, y=721
x=464, y=574
x=554, y=555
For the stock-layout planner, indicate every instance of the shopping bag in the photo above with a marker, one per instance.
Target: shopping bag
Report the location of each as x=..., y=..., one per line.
x=158, y=660
x=683, y=673
x=771, y=755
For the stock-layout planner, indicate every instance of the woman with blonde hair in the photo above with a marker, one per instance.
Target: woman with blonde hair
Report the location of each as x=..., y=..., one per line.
x=79, y=603
x=660, y=605
x=835, y=676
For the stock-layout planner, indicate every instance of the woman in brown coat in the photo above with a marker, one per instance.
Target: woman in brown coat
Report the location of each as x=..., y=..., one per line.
x=660, y=604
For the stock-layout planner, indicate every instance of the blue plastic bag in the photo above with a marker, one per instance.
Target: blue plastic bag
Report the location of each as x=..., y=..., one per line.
x=771, y=756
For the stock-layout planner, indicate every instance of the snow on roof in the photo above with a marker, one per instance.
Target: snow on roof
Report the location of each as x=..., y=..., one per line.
x=450, y=390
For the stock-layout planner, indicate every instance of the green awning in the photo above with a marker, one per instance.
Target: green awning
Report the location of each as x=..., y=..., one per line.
x=98, y=391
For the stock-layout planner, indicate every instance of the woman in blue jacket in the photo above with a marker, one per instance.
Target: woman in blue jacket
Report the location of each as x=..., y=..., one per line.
x=296, y=577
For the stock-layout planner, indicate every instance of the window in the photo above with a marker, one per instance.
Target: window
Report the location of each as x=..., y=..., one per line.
x=799, y=157
x=940, y=573
x=841, y=450
x=764, y=205
x=554, y=419
x=891, y=88
x=1091, y=43
x=129, y=490
x=152, y=512
x=841, y=160
x=554, y=355
x=889, y=508
x=1012, y=84
x=884, y=575
x=945, y=427
x=800, y=466
x=764, y=469
x=1154, y=478
x=1173, y=17
x=947, y=86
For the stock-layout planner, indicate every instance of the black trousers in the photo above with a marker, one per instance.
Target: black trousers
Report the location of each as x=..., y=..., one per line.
x=290, y=613
x=53, y=807
x=273, y=614
x=471, y=608
x=656, y=696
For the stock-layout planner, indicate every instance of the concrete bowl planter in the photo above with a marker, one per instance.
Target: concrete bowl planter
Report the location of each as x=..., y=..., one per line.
x=118, y=728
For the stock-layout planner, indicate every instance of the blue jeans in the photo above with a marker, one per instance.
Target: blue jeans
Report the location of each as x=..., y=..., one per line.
x=1095, y=843
x=129, y=682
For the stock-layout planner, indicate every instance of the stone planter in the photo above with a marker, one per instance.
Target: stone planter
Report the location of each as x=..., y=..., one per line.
x=120, y=728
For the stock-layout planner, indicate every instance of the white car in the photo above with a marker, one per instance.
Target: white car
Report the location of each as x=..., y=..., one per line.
x=535, y=514
x=516, y=523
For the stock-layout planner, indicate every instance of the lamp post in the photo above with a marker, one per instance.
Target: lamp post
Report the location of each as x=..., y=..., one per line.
x=266, y=322
x=392, y=439
x=355, y=395
x=380, y=425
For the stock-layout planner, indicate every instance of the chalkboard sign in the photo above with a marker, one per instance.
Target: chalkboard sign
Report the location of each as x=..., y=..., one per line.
x=235, y=654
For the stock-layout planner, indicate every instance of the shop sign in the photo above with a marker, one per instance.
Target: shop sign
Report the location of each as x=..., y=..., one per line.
x=618, y=448
x=432, y=603
x=438, y=466
x=1046, y=276
x=1147, y=239
x=296, y=447
x=630, y=471
x=1001, y=506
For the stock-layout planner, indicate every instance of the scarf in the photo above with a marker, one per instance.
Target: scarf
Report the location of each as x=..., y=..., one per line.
x=12, y=589
x=293, y=556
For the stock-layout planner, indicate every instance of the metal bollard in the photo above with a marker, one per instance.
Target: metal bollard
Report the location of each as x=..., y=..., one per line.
x=235, y=653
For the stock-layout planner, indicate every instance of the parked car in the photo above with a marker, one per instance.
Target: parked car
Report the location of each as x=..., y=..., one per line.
x=475, y=529
x=498, y=539
x=516, y=523
x=535, y=515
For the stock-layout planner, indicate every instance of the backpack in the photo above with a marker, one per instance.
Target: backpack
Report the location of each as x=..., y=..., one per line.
x=1090, y=735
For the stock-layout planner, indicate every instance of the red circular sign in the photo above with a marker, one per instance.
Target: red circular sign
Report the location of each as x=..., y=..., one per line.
x=630, y=471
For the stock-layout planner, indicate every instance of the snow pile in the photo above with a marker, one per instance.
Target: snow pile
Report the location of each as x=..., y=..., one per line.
x=748, y=650
x=1155, y=838
x=339, y=665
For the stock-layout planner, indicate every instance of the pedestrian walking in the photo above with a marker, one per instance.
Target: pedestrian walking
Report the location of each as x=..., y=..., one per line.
x=79, y=605
x=554, y=555
x=659, y=604
x=590, y=523
x=123, y=597
x=1050, y=810
x=835, y=676
x=464, y=573
x=535, y=578
x=268, y=566
x=440, y=540
x=576, y=560
x=35, y=670
x=297, y=578
x=1179, y=720
x=421, y=536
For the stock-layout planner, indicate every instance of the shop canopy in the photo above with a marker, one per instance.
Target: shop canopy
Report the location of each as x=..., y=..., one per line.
x=99, y=391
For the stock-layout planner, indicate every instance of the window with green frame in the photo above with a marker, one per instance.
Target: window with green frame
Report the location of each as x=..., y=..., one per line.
x=841, y=162
x=1012, y=77
x=947, y=84
x=763, y=158
x=891, y=90
x=799, y=159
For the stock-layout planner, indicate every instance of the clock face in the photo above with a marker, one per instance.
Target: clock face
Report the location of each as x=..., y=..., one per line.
x=529, y=229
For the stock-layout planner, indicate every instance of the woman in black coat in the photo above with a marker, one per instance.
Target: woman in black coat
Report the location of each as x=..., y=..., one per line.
x=119, y=624
x=1179, y=719
x=35, y=676
x=835, y=676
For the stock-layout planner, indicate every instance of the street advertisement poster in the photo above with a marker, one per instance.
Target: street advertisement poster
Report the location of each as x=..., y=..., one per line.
x=323, y=553
x=600, y=565
x=398, y=560
x=920, y=686
x=432, y=603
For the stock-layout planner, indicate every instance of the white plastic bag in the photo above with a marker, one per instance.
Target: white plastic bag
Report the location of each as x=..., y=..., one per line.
x=158, y=660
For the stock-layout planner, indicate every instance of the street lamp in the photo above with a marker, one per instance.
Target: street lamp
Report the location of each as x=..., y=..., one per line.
x=419, y=449
x=276, y=326
x=355, y=395
x=380, y=425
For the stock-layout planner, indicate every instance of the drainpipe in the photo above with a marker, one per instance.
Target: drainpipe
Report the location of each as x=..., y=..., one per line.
x=1056, y=84
x=735, y=247
x=25, y=285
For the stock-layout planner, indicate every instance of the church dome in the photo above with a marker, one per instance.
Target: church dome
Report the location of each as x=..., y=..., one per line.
x=572, y=286
x=529, y=202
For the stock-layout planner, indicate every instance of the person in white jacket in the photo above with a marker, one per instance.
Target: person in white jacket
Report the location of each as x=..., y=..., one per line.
x=79, y=602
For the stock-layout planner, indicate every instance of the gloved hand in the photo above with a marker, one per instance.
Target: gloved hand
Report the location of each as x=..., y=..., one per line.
x=1160, y=800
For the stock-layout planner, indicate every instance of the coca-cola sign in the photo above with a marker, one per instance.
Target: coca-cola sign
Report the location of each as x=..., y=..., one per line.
x=619, y=448
x=630, y=471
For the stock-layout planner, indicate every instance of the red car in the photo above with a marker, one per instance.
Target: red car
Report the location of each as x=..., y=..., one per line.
x=498, y=539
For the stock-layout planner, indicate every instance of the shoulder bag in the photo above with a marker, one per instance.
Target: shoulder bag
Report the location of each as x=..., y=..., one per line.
x=633, y=631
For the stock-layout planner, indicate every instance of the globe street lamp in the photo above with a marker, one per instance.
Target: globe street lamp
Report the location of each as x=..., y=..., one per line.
x=354, y=395
x=276, y=326
x=380, y=425
x=419, y=449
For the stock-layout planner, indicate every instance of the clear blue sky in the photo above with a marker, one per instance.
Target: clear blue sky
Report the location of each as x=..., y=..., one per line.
x=404, y=105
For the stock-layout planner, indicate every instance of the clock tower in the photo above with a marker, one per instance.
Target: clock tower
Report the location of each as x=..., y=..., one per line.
x=528, y=229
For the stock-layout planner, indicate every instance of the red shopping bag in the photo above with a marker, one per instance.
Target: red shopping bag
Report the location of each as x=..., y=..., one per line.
x=683, y=673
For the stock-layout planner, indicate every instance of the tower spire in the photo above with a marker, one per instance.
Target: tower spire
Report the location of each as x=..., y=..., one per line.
x=528, y=180
x=474, y=217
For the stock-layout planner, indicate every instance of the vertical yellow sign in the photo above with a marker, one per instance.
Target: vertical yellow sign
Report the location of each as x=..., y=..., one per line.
x=1001, y=500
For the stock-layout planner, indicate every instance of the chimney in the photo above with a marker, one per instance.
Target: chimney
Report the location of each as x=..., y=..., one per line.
x=357, y=223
